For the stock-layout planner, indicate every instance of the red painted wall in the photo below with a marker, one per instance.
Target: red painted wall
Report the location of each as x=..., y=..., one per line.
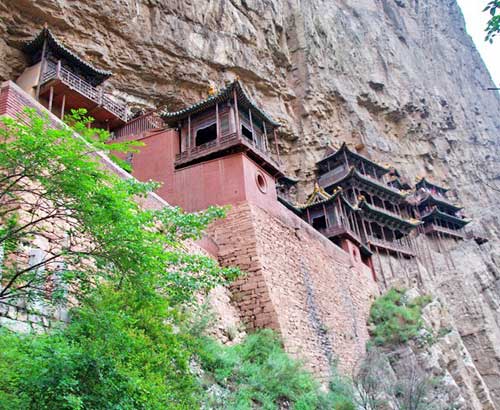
x=228, y=180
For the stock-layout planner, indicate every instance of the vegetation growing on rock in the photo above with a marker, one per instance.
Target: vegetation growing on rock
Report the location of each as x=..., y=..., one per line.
x=394, y=319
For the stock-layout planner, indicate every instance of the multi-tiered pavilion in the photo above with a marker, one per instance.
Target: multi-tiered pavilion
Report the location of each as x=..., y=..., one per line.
x=441, y=217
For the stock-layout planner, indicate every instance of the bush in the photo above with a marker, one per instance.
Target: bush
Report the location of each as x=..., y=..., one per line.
x=393, y=320
x=258, y=372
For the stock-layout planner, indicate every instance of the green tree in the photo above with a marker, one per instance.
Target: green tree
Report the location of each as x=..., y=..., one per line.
x=55, y=190
x=493, y=27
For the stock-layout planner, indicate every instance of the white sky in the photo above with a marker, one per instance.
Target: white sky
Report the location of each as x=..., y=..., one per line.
x=476, y=23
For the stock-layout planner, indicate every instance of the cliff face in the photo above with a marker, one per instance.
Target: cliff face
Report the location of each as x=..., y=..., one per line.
x=400, y=76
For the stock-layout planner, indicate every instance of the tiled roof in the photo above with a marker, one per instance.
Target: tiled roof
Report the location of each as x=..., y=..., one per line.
x=407, y=223
x=59, y=49
x=443, y=215
x=223, y=95
x=431, y=199
x=424, y=182
x=345, y=148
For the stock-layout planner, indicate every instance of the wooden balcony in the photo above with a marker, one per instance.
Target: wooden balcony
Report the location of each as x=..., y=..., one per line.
x=71, y=91
x=340, y=231
x=139, y=125
x=227, y=144
x=396, y=247
x=434, y=229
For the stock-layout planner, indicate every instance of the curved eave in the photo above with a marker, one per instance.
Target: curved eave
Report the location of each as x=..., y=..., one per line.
x=447, y=217
x=225, y=94
x=354, y=173
x=424, y=182
x=290, y=206
x=431, y=199
x=303, y=207
x=36, y=44
x=345, y=148
x=399, y=221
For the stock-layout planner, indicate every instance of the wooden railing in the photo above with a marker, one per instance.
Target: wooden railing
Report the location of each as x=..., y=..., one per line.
x=138, y=125
x=225, y=141
x=396, y=245
x=57, y=71
x=386, y=211
x=333, y=176
x=434, y=228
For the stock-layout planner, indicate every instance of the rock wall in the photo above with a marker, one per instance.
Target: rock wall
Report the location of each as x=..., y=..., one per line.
x=313, y=293
x=399, y=76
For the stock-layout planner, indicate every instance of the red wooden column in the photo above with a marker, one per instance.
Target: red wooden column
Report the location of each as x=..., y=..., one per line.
x=62, y=106
x=58, y=69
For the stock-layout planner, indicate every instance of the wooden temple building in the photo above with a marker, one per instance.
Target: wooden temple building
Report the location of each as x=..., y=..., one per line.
x=62, y=81
x=441, y=217
x=226, y=122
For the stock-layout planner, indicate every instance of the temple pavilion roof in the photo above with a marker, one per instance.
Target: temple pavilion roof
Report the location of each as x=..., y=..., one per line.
x=348, y=152
x=354, y=173
x=400, y=184
x=437, y=214
x=319, y=197
x=430, y=199
x=425, y=183
x=34, y=47
x=223, y=95
x=389, y=218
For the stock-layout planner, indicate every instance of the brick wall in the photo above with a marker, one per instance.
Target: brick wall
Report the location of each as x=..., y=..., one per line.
x=299, y=283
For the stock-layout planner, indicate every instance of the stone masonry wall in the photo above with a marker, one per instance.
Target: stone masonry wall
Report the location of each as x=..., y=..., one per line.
x=298, y=283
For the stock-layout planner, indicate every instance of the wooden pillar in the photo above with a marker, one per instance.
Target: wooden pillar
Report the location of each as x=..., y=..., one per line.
x=308, y=216
x=236, y=114
x=266, y=146
x=217, y=123
x=42, y=68
x=345, y=160
x=62, y=106
x=58, y=69
x=251, y=127
x=189, y=133
x=276, y=144
x=326, y=216
x=51, y=97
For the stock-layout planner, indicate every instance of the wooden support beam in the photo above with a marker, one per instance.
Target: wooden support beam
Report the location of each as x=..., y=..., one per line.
x=189, y=133
x=237, y=114
x=63, y=106
x=42, y=68
x=51, y=97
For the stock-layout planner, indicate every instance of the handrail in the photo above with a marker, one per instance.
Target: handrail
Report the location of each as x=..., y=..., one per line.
x=140, y=124
x=396, y=245
x=76, y=83
x=454, y=232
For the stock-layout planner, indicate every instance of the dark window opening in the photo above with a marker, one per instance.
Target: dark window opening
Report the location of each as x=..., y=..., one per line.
x=207, y=134
x=246, y=132
x=319, y=222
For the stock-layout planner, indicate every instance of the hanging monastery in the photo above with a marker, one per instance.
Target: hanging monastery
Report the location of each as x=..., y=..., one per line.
x=313, y=268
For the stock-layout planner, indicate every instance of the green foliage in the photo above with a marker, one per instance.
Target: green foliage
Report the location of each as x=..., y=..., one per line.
x=259, y=373
x=121, y=163
x=127, y=345
x=393, y=320
x=493, y=27
x=59, y=179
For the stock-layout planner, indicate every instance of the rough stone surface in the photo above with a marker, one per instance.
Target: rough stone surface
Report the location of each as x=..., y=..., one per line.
x=401, y=77
x=313, y=293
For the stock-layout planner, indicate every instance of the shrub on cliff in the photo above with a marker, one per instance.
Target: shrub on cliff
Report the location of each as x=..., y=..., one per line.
x=394, y=320
x=259, y=374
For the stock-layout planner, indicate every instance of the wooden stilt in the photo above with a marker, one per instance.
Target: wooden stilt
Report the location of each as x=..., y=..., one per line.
x=189, y=133
x=62, y=106
x=51, y=97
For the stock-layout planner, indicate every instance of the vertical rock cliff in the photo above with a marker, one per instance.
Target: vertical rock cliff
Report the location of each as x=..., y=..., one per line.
x=401, y=77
